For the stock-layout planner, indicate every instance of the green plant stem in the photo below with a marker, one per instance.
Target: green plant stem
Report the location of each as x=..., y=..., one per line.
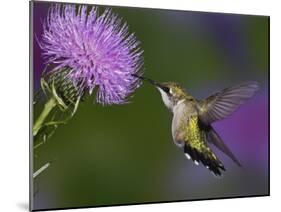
x=39, y=171
x=38, y=145
x=40, y=120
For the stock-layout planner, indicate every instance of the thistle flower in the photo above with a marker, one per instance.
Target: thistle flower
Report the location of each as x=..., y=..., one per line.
x=98, y=50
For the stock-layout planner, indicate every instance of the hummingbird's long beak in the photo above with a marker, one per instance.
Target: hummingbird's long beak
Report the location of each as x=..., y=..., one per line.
x=148, y=80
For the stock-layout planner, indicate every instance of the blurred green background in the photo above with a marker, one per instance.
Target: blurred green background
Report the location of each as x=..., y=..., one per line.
x=125, y=154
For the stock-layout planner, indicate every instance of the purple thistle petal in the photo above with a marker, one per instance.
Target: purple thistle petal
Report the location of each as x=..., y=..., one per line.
x=99, y=50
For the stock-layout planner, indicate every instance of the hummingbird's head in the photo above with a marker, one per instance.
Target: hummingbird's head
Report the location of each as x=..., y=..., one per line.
x=172, y=93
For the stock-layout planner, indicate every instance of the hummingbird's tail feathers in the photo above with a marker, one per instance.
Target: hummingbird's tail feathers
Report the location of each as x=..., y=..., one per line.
x=216, y=140
x=220, y=105
x=207, y=158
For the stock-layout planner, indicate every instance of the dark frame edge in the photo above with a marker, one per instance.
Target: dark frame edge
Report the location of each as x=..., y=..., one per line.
x=268, y=60
x=31, y=69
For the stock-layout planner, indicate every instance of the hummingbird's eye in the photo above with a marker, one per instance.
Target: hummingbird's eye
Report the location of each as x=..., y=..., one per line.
x=166, y=89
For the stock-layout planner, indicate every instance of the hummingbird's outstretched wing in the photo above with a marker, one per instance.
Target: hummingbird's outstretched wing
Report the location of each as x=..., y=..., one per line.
x=215, y=139
x=220, y=105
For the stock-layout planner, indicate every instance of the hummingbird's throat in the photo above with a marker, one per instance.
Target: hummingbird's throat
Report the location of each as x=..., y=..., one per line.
x=168, y=103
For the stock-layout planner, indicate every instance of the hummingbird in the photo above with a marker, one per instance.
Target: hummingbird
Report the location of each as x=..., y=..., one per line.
x=192, y=129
